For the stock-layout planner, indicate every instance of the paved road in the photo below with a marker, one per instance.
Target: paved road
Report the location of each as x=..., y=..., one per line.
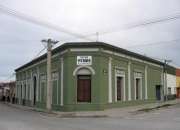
x=16, y=119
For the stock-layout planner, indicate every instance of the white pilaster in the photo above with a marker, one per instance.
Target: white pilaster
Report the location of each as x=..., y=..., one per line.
x=129, y=81
x=31, y=86
x=110, y=80
x=62, y=83
x=37, y=85
x=141, y=89
x=124, y=88
x=146, y=95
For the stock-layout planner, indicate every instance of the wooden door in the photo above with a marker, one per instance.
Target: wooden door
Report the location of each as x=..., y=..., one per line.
x=158, y=92
x=84, y=88
x=119, y=88
x=137, y=88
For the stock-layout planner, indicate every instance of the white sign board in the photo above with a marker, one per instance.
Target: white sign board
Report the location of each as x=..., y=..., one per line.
x=84, y=60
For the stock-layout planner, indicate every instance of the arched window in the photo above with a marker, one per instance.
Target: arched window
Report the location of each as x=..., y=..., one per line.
x=84, y=84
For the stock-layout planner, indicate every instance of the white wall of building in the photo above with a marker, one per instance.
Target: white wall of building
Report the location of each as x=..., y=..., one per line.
x=171, y=83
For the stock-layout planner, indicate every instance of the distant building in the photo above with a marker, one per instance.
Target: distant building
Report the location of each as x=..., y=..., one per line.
x=91, y=76
x=7, y=91
x=178, y=83
x=171, y=81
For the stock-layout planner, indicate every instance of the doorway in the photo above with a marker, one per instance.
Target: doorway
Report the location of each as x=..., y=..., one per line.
x=119, y=88
x=84, y=88
x=24, y=95
x=137, y=87
x=34, y=89
x=158, y=92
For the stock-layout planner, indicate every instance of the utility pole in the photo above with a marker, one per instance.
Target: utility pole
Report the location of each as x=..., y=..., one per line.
x=165, y=77
x=50, y=43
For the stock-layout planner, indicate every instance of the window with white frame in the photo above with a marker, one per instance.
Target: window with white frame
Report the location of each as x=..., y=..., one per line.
x=55, y=91
x=138, y=85
x=42, y=88
x=120, y=93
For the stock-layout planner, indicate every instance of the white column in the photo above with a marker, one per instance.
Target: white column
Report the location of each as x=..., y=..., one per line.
x=31, y=86
x=23, y=90
x=16, y=88
x=26, y=90
x=146, y=96
x=26, y=86
x=124, y=88
x=110, y=80
x=141, y=88
x=19, y=95
x=134, y=88
x=37, y=85
x=62, y=83
x=129, y=81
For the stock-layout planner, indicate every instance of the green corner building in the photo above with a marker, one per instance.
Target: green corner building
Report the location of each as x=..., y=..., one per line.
x=90, y=76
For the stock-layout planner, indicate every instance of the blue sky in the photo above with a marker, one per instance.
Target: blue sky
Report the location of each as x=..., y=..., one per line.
x=20, y=40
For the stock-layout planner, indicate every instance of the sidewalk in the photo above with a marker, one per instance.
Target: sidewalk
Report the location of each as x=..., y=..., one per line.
x=114, y=112
x=118, y=112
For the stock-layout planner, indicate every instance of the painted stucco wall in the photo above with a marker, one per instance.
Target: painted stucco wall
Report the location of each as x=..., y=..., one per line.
x=99, y=81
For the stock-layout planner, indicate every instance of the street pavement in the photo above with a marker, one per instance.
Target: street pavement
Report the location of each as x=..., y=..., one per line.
x=12, y=118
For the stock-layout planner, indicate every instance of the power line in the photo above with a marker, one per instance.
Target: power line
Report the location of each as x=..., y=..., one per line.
x=139, y=24
x=173, y=63
x=38, y=54
x=156, y=43
x=144, y=23
x=30, y=19
x=60, y=29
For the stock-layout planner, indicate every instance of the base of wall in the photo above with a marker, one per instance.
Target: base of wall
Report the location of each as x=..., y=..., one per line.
x=86, y=106
x=130, y=103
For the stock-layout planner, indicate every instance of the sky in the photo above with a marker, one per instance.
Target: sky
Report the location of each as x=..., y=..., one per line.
x=21, y=40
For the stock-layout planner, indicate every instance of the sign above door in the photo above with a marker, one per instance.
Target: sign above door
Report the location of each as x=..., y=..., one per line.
x=84, y=60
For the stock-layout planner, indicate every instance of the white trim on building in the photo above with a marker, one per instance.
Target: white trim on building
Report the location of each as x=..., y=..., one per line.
x=146, y=84
x=138, y=75
x=120, y=73
x=110, y=80
x=62, y=82
x=129, y=81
